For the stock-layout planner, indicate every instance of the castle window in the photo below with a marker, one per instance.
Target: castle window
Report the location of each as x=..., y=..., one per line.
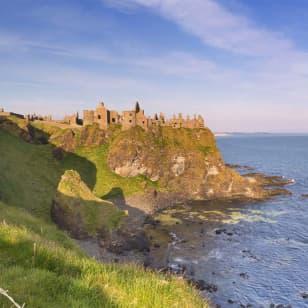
x=99, y=117
x=130, y=121
x=113, y=120
x=142, y=122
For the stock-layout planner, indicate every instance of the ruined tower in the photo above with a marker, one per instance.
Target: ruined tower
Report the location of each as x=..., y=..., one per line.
x=131, y=118
x=101, y=116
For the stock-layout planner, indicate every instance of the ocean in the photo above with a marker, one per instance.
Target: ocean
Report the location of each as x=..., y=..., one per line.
x=255, y=254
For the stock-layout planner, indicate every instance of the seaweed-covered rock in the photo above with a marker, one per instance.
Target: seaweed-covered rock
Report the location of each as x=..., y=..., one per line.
x=77, y=210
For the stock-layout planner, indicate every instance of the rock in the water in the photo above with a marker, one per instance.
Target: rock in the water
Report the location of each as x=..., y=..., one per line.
x=237, y=166
x=204, y=286
x=305, y=295
x=269, y=181
x=244, y=275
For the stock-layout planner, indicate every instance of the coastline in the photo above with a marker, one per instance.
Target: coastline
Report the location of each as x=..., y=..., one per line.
x=147, y=235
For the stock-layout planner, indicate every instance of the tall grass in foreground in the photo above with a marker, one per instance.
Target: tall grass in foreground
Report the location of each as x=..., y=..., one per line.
x=42, y=267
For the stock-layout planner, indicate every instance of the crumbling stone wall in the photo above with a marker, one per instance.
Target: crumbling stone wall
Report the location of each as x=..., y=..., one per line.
x=136, y=117
x=71, y=119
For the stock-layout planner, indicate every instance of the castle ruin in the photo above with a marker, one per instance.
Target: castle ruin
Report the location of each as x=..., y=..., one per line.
x=38, y=117
x=136, y=117
x=127, y=119
x=4, y=113
x=72, y=119
x=102, y=116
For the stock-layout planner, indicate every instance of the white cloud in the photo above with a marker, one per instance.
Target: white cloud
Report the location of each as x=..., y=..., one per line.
x=256, y=93
x=216, y=26
x=275, y=64
x=174, y=63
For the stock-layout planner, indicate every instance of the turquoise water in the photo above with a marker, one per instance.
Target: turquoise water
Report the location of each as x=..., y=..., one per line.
x=261, y=257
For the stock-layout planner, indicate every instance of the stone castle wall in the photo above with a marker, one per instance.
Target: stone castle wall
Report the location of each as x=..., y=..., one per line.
x=88, y=117
x=136, y=117
x=128, y=119
x=71, y=119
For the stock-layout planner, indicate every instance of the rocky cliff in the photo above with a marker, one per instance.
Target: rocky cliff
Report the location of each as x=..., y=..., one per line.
x=183, y=161
x=162, y=163
x=75, y=209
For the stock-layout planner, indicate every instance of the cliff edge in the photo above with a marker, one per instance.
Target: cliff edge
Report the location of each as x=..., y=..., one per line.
x=183, y=161
x=161, y=165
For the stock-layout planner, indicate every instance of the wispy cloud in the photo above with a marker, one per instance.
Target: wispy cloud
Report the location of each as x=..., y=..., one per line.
x=65, y=62
x=274, y=60
x=173, y=63
x=215, y=25
x=272, y=70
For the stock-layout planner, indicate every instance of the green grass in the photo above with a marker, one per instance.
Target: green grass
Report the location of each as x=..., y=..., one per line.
x=109, y=184
x=205, y=149
x=79, y=208
x=39, y=264
x=42, y=267
x=29, y=174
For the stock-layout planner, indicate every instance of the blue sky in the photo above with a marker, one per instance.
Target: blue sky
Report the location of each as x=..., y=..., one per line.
x=242, y=64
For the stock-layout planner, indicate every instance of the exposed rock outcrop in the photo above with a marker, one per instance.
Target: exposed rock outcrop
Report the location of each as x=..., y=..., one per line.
x=185, y=162
x=77, y=210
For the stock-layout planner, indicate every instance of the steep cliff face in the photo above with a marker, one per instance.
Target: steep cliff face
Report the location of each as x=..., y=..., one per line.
x=185, y=161
x=177, y=163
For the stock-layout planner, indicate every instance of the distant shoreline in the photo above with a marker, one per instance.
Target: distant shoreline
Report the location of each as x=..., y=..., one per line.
x=222, y=134
x=226, y=134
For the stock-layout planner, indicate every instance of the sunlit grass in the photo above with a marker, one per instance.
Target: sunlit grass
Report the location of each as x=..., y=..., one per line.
x=42, y=267
x=39, y=264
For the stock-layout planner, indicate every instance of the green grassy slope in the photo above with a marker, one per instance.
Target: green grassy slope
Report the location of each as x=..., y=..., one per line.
x=106, y=180
x=42, y=267
x=75, y=208
x=39, y=264
x=29, y=174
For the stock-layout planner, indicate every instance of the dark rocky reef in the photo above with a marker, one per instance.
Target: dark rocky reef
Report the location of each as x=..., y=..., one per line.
x=273, y=184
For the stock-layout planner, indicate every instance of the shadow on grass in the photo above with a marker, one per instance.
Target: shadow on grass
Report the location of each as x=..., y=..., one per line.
x=136, y=216
x=115, y=192
x=31, y=167
x=84, y=218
